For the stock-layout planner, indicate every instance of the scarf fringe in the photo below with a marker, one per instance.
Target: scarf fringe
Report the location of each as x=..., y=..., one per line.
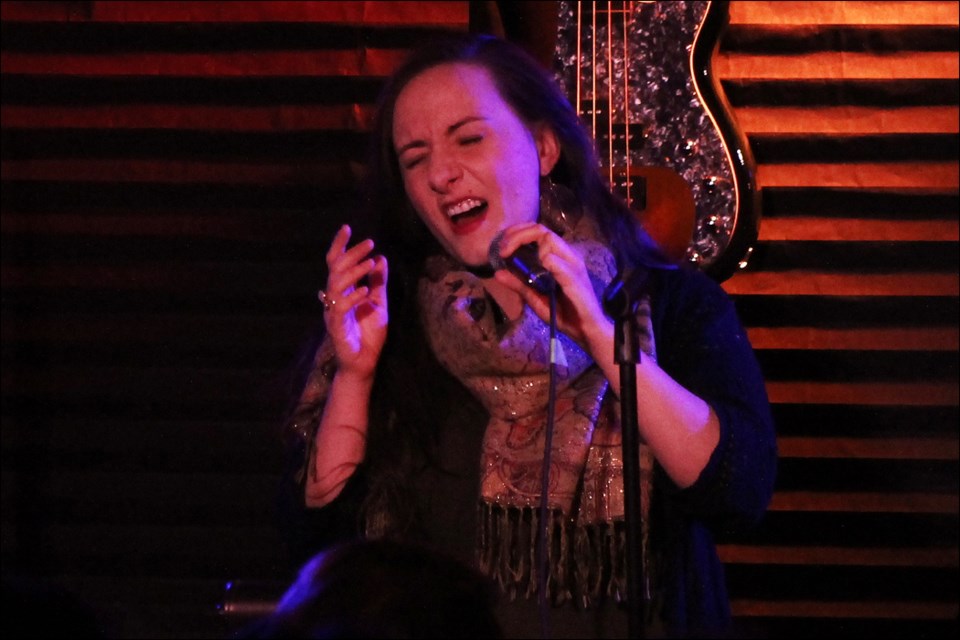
x=586, y=563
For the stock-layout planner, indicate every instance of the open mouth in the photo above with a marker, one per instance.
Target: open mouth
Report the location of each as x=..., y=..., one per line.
x=466, y=212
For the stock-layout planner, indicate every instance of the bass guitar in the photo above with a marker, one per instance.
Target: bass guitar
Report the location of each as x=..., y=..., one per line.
x=640, y=75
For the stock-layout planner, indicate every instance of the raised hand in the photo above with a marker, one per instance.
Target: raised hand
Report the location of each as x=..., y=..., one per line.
x=355, y=314
x=579, y=314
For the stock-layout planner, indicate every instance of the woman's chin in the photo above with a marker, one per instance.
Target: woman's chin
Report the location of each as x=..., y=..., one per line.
x=472, y=258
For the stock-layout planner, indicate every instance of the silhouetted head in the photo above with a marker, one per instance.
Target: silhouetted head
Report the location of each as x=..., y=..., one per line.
x=384, y=589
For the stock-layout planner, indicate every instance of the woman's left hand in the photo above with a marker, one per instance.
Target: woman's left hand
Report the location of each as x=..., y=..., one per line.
x=579, y=314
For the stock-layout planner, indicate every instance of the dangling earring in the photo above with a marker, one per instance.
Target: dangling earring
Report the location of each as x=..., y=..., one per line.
x=559, y=209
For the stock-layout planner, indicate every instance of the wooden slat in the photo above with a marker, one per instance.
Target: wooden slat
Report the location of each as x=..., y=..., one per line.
x=178, y=171
x=845, y=610
x=234, y=224
x=843, y=13
x=807, y=283
x=156, y=277
x=845, y=120
x=872, y=448
x=865, y=502
x=365, y=62
x=859, y=229
x=863, y=339
x=281, y=118
x=918, y=394
x=838, y=65
x=390, y=12
x=864, y=175
x=842, y=556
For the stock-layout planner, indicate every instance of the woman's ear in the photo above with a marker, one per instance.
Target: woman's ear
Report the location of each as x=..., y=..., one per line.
x=548, y=148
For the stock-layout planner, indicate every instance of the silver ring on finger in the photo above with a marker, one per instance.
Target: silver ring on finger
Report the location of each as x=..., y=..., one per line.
x=327, y=302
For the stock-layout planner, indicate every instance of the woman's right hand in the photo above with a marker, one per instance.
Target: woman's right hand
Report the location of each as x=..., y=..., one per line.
x=356, y=316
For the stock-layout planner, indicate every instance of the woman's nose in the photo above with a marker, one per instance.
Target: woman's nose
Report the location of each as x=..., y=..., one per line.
x=444, y=170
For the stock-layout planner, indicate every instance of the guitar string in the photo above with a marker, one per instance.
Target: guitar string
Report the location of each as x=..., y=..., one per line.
x=593, y=72
x=577, y=82
x=610, y=141
x=626, y=105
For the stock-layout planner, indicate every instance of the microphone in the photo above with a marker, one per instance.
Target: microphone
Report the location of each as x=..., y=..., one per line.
x=523, y=263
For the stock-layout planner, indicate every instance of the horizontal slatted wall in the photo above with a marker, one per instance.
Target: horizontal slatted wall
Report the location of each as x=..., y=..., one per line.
x=851, y=300
x=172, y=172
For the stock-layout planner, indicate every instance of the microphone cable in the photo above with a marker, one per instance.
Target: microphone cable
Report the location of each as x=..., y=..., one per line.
x=545, y=520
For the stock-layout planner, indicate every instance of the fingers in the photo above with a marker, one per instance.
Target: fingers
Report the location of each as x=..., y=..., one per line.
x=374, y=293
x=517, y=235
x=556, y=256
x=352, y=299
x=338, y=255
x=347, y=268
x=340, y=239
x=378, y=281
x=548, y=243
x=578, y=303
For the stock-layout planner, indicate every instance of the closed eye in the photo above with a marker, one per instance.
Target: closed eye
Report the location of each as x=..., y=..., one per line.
x=412, y=162
x=468, y=140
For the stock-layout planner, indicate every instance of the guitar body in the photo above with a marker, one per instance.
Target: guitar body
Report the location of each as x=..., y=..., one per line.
x=664, y=110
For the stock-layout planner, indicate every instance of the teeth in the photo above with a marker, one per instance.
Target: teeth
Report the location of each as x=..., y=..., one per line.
x=463, y=206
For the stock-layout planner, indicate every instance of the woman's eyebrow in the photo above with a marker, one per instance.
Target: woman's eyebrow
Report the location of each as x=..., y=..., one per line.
x=416, y=144
x=456, y=125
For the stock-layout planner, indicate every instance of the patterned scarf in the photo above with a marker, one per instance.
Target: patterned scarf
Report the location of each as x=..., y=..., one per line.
x=505, y=364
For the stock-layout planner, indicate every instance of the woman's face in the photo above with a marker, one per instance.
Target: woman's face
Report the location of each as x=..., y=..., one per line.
x=470, y=166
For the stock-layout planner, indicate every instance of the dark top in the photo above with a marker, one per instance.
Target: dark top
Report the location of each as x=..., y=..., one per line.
x=702, y=345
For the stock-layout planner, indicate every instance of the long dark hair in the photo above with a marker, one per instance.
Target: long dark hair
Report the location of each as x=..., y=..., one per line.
x=405, y=412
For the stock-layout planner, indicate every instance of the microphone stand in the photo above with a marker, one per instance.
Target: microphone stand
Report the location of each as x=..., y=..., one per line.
x=621, y=306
